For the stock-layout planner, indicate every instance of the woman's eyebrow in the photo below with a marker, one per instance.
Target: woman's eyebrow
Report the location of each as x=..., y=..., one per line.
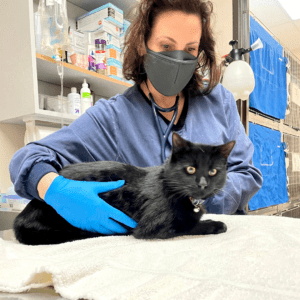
x=175, y=41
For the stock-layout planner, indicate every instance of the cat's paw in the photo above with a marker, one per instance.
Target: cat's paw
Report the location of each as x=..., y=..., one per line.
x=213, y=227
x=220, y=227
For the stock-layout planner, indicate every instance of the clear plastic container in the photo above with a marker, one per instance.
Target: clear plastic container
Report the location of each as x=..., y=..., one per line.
x=54, y=104
x=12, y=201
x=42, y=101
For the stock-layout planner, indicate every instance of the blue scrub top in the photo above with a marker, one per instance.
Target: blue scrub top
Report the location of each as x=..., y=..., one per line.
x=123, y=129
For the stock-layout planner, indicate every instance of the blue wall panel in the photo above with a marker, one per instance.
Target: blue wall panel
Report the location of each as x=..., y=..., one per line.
x=269, y=67
x=269, y=158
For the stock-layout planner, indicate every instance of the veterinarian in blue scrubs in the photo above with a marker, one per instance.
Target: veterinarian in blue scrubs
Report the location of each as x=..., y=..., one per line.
x=168, y=50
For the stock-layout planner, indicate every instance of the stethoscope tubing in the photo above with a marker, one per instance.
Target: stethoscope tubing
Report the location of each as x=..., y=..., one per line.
x=164, y=135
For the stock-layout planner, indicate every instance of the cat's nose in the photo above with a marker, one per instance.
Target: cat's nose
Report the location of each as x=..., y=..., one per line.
x=202, y=183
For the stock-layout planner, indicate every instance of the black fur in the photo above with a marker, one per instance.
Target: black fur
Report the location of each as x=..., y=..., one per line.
x=157, y=198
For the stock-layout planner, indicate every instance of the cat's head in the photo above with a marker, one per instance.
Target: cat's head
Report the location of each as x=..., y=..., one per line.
x=196, y=170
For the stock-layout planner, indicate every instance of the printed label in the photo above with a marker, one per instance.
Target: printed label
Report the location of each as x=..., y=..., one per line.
x=113, y=53
x=86, y=95
x=113, y=70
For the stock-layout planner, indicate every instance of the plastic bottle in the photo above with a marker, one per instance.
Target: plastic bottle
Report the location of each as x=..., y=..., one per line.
x=12, y=198
x=100, y=56
x=85, y=93
x=91, y=52
x=75, y=103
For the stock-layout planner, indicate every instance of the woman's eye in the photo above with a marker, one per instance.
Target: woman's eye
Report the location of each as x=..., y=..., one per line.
x=191, y=170
x=168, y=47
x=213, y=172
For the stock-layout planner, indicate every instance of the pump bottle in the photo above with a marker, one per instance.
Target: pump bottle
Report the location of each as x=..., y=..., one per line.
x=85, y=93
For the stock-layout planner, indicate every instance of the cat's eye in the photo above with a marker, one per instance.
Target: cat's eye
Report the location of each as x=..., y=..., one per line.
x=191, y=170
x=213, y=172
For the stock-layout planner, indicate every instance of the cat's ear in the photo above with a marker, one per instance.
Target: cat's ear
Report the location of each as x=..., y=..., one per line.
x=226, y=148
x=178, y=142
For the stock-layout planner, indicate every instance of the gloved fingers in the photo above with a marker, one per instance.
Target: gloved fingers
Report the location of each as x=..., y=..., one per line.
x=103, y=230
x=95, y=226
x=108, y=186
x=121, y=224
x=115, y=213
x=122, y=218
x=117, y=228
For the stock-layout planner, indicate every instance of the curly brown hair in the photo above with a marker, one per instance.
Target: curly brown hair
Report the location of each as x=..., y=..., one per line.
x=139, y=32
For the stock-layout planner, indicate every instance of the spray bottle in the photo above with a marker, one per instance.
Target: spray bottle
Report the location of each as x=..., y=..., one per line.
x=85, y=94
x=238, y=77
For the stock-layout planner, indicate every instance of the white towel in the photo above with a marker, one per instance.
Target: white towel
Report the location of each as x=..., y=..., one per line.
x=257, y=258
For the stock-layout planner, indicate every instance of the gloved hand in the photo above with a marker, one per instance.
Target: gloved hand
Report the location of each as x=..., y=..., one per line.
x=79, y=204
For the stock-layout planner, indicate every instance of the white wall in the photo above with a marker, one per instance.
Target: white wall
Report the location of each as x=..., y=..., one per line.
x=222, y=25
x=11, y=139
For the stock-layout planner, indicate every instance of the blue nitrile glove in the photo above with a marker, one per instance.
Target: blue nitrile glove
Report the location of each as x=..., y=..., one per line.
x=79, y=204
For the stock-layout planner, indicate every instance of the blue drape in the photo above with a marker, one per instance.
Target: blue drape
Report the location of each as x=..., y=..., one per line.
x=269, y=67
x=269, y=158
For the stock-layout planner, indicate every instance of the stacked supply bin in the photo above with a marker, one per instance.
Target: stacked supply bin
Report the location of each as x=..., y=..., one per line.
x=97, y=42
x=108, y=29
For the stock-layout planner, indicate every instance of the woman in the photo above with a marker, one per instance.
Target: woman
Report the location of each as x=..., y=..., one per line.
x=168, y=48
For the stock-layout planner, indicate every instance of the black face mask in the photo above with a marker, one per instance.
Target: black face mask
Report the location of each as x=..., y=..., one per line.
x=169, y=71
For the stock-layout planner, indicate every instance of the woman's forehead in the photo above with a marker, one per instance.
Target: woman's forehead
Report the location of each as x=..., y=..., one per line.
x=177, y=25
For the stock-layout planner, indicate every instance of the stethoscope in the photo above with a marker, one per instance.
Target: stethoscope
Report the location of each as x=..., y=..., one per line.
x=164, y=135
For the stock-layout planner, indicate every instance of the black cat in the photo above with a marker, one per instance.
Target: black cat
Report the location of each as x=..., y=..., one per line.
x=158, y=198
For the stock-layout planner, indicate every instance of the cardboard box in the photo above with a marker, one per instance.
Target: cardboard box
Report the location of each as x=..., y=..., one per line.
x=109, y=38
x=80, y=60
x=113, y=52
x=91, y=20
x=114, y=68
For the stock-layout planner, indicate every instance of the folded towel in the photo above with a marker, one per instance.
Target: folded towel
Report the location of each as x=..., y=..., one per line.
x=257, y=258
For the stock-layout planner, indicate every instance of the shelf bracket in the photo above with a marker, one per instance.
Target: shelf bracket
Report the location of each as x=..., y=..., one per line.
x=30, y=134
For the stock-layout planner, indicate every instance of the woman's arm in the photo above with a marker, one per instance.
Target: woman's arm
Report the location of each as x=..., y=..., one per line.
x=243, y=179
x=44, y=183
x=89, y=138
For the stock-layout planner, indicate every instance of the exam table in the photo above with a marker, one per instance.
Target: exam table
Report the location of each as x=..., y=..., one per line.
x=257, y=258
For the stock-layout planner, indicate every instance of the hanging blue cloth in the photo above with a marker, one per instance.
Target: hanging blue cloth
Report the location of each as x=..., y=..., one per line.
x=269, y=158
x=269, y=67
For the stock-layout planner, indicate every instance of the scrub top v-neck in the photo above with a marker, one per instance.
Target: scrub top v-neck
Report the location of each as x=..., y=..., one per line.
x=180, y=123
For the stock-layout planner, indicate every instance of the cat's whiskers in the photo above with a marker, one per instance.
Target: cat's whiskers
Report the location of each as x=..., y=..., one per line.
x=223, y=198
x=222, y=191
x=178, y=193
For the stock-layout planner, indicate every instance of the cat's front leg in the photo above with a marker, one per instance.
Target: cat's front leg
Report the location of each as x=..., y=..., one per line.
x=201, y=228
x=208, y=227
